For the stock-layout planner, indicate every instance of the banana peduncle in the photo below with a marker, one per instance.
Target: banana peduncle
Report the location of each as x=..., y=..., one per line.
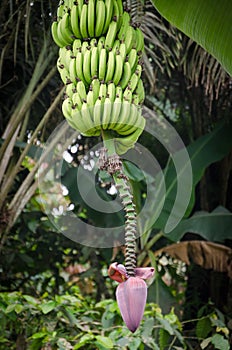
x=111, y=162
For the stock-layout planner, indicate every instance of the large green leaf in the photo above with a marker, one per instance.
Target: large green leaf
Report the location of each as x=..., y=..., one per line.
x=207, y=22
x=206, y=150
x=214, y=226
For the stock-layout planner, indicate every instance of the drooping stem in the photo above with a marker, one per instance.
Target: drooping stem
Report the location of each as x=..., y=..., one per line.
x=113, y=165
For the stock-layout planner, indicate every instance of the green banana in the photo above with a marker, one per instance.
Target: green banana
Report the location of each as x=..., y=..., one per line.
x=59, y=41
x=67, y=108
x=140, y=91
x=75, y=24
x=85, y=46
x=126, y=75
x=78, y=121
x=91, y=18
x=101, y=43
x=87, y=66
x=116, y=13
x=122, y=50
x=133, y=59
x=80, y=5
x=77, y=101
x=111, y=35
x=84, y=21
x=64, y=73
x=127, y=94
x=129, y=39
x=124, y=114
x=70, y=90
x=94, y=62
x=103, y=91
x=135, y=78
x=115, y=113
x=125, y=24
x=64, y=31
x=93, y=42
x=111, y=91
x=139, y=40
x=79, y=66
x=72, y=70
x=76, y=46
x=116, y=46
x=121, y=10
x=118, y=92
x=106, y=113
x=65, y=57
x=102, y=64
x=90, y=97
x=80, y=87
x=118, y=69
x=86, y=117
x=100, y=17
x=109, y=12
x=61, y=9
x=95, y=87
x=110, y=67
x=97, y=113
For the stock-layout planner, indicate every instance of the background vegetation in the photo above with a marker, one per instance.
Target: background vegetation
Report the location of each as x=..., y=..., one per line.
x=55, y=293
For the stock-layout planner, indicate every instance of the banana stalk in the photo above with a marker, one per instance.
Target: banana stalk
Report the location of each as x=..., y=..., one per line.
x=114, y=167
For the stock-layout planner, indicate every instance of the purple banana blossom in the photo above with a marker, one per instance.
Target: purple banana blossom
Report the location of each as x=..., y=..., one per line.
x=131, y=293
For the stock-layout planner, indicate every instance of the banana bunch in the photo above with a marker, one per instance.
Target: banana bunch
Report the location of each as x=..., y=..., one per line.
x=100, y=62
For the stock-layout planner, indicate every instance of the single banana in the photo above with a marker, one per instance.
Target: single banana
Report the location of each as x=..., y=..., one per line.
x=77, y=101
x=109, y=13
x=106, y=113
x=91, y=18
x=135, y=99
x=111, y=91
x=135, y=78
x=64, y=73
x=111, y=35
x=128, y=141
x=121, y=10
x=80, y=87
x=115, y=113
x=103, y=91
x=94, y=62
x=133, y=59
x=67, y=108
x=79, y=66
x=90, y=97
x=84, y=21
x=116, y=13
x=64, y=31
x=126, y=75
x=87, y=119
x=61, y=9
x=110, y=67
x=125, y=24
x=116, y=46
x=95, y=87
x=118, y=69
x=87, y=66
x=65, y=57
x=100, y=17
x=70, y=90
x=140, y=91
x=85, y=46
x=59, y=41
x=139, y=40
x=130, y=39
x=97, y=113
x=76, y=46
x=80, y=5
x=101, y=43
x=75, y=24
x=93, y=42
x=122, y=50
x=118, y=92
x=127, y=94
x=72, y=70
x=102, y=64
x=124, y=115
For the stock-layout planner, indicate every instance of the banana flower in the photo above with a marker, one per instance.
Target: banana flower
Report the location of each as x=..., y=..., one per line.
x=131, y=293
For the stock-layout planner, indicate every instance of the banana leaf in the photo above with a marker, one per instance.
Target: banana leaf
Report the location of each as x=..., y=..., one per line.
x=207, y=22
